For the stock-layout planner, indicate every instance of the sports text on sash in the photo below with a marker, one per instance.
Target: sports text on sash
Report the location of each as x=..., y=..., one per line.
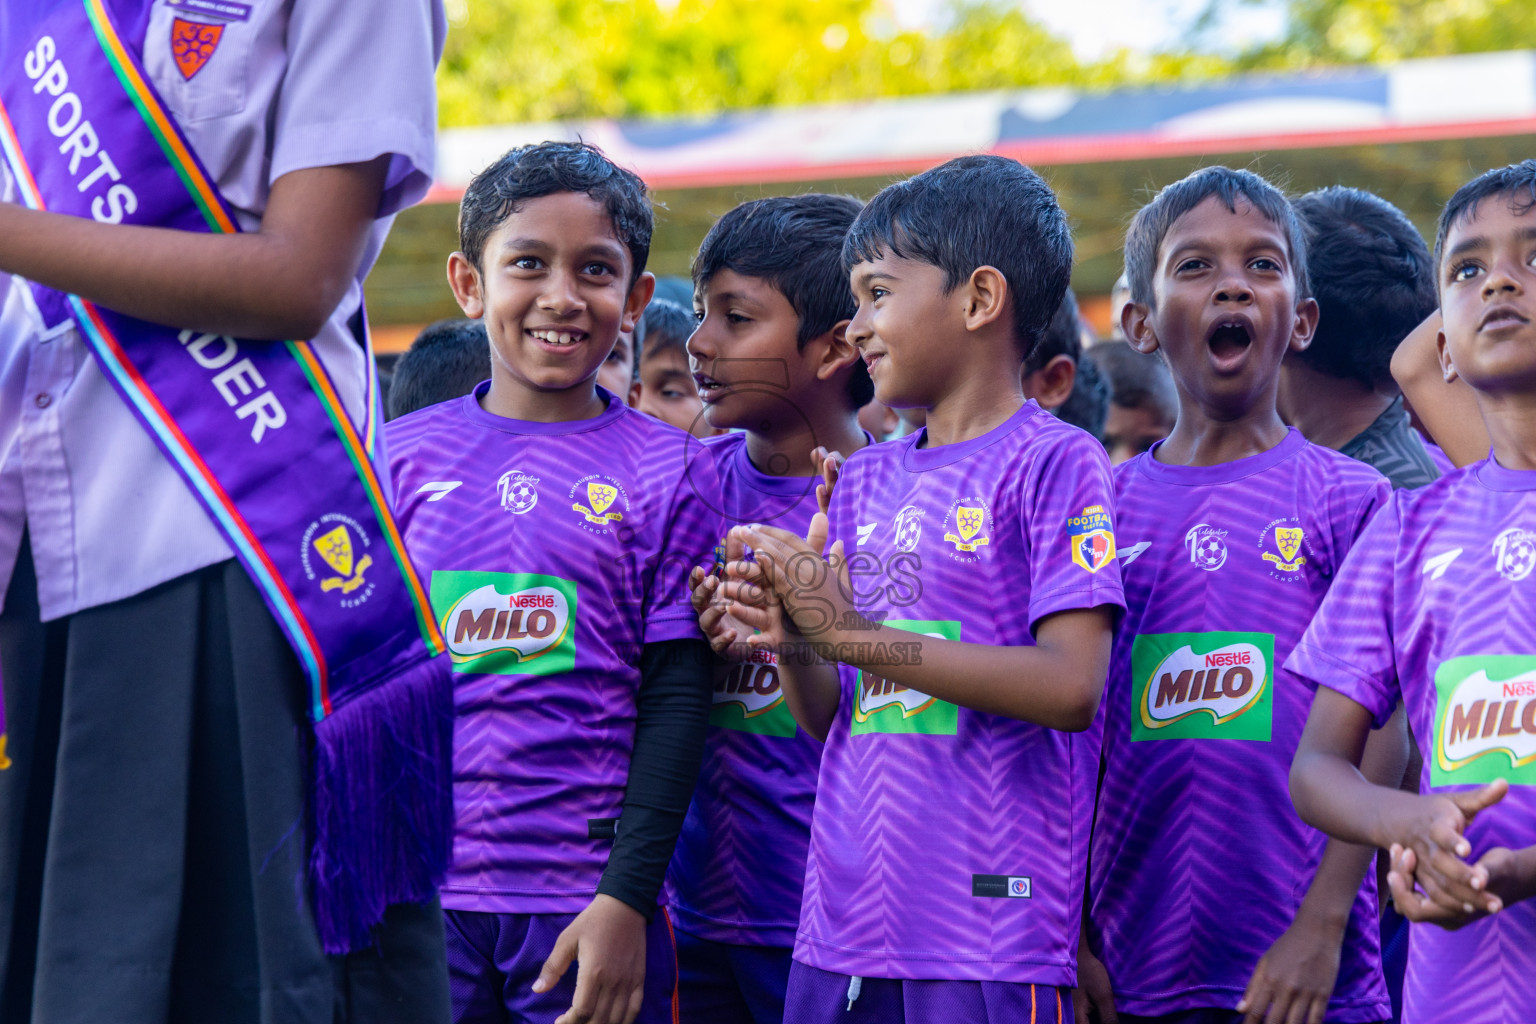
x=67, y=121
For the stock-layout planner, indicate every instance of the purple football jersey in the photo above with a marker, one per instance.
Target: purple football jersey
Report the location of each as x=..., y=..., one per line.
x=554, y=552
x=740, y=862
x=948, y=844
x=1434, y=608
x=1199, y=860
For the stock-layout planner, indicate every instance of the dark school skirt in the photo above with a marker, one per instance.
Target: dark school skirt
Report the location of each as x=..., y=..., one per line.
x=152, y=824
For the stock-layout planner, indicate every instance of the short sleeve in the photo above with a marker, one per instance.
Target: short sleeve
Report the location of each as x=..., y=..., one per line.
x=1349, y=646
x=1069, y=523
x=359, y=84
x=694, y=523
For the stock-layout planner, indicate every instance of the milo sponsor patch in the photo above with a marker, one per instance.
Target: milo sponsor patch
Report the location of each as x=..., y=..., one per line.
x=1485, y=721
x=748, y=698
x=881, y=705
x=1202, y=686
x=506, y=623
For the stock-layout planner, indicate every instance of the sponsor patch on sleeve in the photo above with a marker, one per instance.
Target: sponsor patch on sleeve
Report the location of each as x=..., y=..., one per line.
x=1092, y=537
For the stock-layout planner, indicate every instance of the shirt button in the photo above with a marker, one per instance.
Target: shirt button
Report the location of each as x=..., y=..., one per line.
x=44, y=400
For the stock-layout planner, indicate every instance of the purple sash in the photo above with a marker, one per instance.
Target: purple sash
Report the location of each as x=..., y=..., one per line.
x=257, y=431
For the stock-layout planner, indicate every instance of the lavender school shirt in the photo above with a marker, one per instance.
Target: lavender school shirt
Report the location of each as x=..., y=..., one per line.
x=948, y=843
x=554, y=552
x=740, y=863
x=289, y=86
x=1199, y=860
x=1435, y=607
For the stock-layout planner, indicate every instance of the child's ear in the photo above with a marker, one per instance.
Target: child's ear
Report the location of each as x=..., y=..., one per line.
x=634, y=395
x=639, y=297
x=1443, y=352
x=839, y=353
x=985, y=296
x=1136, y=325
x=1051, y=385
x=464, y=279
x=1304, y=326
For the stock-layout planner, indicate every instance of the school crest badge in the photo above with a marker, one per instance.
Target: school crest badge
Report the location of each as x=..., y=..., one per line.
x=335, y=547
x=599, y=499
x=1288, y=542
x=1092, y=538
x=192, y=43
x=969, y=520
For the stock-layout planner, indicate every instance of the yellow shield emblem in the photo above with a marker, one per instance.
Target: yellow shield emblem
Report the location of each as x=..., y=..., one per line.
x=335, y=546
x=600, y=496
x=969, y=520
x=1288, y=540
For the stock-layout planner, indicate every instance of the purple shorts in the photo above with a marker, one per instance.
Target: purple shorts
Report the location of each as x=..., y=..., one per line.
x=821, y=997
x=722, y=983
x=494, y=959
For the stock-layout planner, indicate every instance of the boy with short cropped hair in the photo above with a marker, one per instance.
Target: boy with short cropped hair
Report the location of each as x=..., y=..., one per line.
x=1430, y=610
x=445, y=362
x=1374, y=283
x=1143, y=402
x=776, y=367
x=665, y=389
x=557, y=527
x=944, y=881
x=1230, y=532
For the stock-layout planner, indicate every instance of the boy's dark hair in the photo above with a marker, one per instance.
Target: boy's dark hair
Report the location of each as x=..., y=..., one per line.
x=1152, y=222
x=665, y=325
x=446, y=361
x=795, y=243
x=1063, y=336
x=1517, y=182
x=975, y=211
x=1136, y=380
x=1373, y=280
x=1088, y=404
x=529, y=172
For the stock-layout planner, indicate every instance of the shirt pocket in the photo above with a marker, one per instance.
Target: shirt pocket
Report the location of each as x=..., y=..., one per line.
x=199, y=62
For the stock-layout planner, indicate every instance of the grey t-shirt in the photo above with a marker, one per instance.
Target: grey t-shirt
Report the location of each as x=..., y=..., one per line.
x=1394, y=449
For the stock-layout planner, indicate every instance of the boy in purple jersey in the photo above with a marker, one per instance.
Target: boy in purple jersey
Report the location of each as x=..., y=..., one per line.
x=773, y=363
x=1231, y=531
x=557, y=527
x=972, y=620
x=1433, y=608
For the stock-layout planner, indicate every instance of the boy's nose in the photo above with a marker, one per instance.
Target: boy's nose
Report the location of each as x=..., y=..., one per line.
x=560, y=294
x=1234, y=291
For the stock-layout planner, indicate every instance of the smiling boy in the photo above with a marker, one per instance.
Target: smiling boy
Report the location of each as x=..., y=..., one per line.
x=1433, y=608
x=944, y=881
x=1208, y=897
x=558, y=527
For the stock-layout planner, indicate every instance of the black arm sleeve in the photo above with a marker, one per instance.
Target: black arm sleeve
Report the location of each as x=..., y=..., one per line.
x=672, y=712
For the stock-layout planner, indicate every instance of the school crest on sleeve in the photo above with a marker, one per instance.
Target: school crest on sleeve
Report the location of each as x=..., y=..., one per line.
x=192, y=43
x=1092, y=538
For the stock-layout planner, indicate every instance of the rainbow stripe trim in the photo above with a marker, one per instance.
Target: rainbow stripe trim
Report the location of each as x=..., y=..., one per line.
x=115, y=362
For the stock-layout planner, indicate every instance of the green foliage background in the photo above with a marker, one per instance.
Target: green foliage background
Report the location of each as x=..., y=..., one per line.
x=511, y=61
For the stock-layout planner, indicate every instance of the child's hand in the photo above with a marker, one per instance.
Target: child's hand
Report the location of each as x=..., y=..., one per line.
x=828, y=465
x=607, y=941
x=1295, y=978
x=1436, y=836
x=1094, y=996
x=1503, y=883
x=814, y=592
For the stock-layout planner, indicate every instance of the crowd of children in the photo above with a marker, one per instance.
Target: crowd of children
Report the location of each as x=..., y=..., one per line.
x=998, y=733
x=856, y=647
